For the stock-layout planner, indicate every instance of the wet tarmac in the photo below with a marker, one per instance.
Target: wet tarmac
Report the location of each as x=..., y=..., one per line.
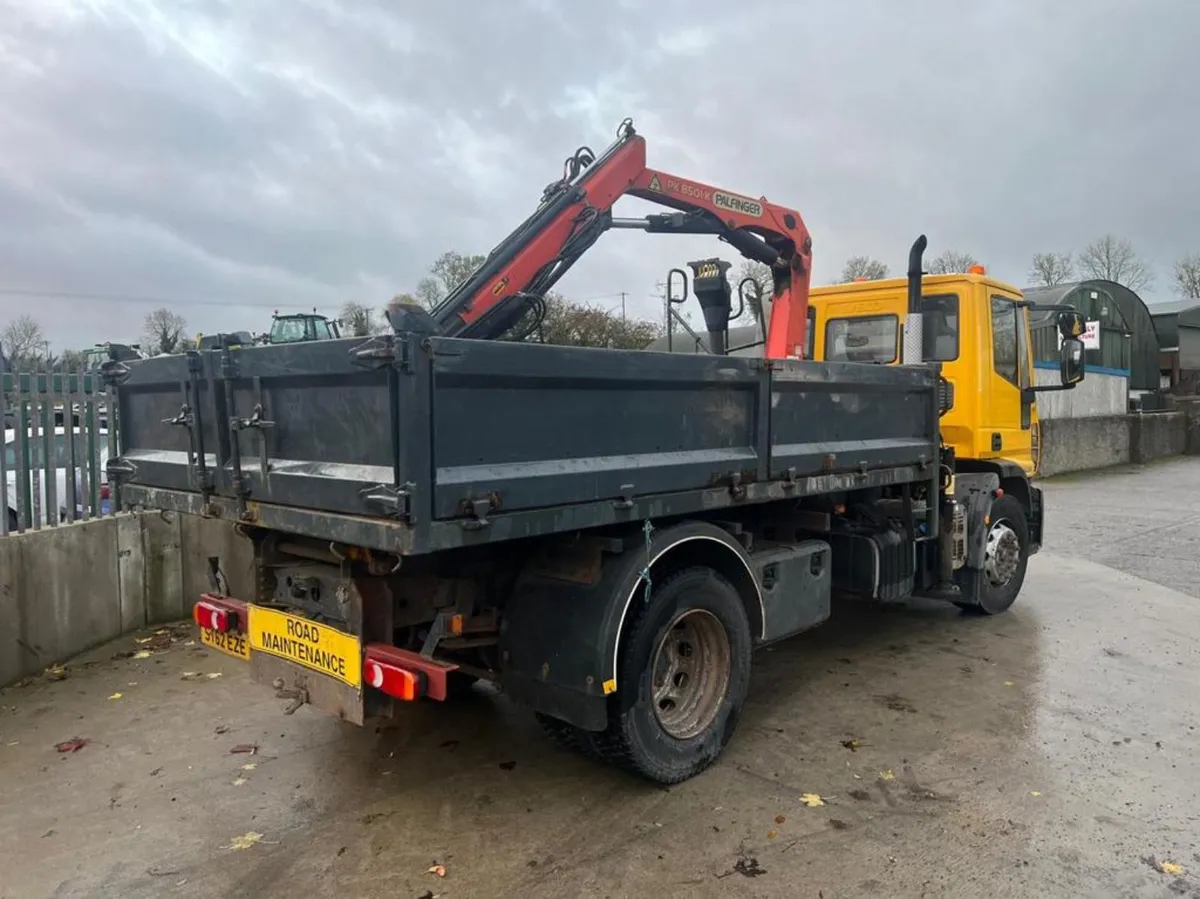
x=1052, y=751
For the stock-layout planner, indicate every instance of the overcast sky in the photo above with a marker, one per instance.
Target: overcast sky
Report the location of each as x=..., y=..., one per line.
x=232, y=157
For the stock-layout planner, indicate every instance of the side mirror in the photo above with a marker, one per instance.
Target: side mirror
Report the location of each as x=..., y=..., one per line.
x=1071, y=361
x=1071, y=324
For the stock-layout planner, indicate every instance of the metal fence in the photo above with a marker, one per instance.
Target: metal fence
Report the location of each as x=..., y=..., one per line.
x=59, y=432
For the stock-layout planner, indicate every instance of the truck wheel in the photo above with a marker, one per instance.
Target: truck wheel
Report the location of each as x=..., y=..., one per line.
x=1006, y=558
x=683, y=675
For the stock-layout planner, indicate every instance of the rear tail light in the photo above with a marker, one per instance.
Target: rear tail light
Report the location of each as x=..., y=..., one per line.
x=104, y=493
x=397, y=682
x=211, y=617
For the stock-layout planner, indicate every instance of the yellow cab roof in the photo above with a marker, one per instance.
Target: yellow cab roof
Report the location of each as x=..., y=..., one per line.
x=891, y=284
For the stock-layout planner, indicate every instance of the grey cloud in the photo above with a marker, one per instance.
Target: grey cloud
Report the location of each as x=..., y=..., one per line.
x=311, y=152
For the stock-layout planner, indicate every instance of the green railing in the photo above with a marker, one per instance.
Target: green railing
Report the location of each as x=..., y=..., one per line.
x=59, y=432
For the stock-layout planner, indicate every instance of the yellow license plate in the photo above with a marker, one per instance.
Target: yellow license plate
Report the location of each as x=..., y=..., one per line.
x=231, y=644
x=315, y=646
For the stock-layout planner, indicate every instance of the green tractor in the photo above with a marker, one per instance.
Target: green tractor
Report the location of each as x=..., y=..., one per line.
x=301, y=326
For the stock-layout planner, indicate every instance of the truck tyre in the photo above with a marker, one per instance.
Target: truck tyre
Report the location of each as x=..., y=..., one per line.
x=683, y=674
x=1005, y=560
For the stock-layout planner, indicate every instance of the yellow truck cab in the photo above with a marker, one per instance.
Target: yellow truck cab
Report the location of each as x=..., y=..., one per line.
x=975, y=326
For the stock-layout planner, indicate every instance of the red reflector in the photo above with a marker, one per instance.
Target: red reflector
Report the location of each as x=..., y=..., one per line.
x=999, y=492
x=213, y=618
x=397, y=682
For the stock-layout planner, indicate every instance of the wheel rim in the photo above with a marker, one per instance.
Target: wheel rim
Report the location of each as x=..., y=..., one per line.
x=691, y=673
x=1003, y=556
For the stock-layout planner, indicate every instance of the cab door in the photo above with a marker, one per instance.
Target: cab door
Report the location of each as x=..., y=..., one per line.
x=1007, y=418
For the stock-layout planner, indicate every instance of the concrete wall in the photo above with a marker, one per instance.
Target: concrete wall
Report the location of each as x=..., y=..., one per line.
x=1156, y=434
x=1078, y=444
x=1101, y=441
x=1097, y=394
x=66, y=589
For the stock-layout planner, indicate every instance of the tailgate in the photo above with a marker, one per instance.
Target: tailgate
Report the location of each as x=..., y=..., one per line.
x=296, y=425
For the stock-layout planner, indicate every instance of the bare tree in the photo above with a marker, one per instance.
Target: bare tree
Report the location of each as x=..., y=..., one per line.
x=1113, y=258
x=1187, y=276
x=447, y=272
x=162, y=330
x=951, y=262
x=1048, y=269
x=359, y=320
x=761, y=274
x=863, y=267
x=70, y=360
x=23, y=342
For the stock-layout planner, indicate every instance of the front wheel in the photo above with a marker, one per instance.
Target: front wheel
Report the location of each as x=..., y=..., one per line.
x=1006, y=557
x=684, y=671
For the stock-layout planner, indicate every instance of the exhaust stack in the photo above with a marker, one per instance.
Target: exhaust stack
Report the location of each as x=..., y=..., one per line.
x=914, y=331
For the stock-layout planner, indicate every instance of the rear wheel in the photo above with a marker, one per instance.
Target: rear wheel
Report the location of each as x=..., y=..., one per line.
x=1006, y=557
x=683, y=674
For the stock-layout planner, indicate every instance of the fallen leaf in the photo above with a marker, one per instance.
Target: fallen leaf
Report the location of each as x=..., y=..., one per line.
x=189, y=642
x=72, y=745
x=123, y=654
x=57, y=672
x=1035, y=792
x=245, y=841
x=812, y=800
x=161, y=631
x=239, y=781
x=779, y=819
x=213, y=675
x=439, y=870
x=221, y=729
x=251, y=748
x=887, y=775
x=1170, y=868
x=771, y=834
x=189, y=675
x=747, y=867
x=852, y=745
x=249, y=766
x=142, y=654
x=1008, y=683
x=116, y=696
x=142, y=640
x=156, y=772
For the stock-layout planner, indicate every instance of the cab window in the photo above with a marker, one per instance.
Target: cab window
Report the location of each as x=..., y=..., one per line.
x=1004, y=339
x=940, y=324
x=810, y=332
x=869, y=338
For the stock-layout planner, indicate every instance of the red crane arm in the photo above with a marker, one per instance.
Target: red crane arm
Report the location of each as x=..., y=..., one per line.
x=578, y=208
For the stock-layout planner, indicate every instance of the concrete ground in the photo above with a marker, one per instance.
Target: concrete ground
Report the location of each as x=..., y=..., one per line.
x=1051, y=751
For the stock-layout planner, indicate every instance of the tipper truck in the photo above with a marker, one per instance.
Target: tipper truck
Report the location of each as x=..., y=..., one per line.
x=607, y=535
